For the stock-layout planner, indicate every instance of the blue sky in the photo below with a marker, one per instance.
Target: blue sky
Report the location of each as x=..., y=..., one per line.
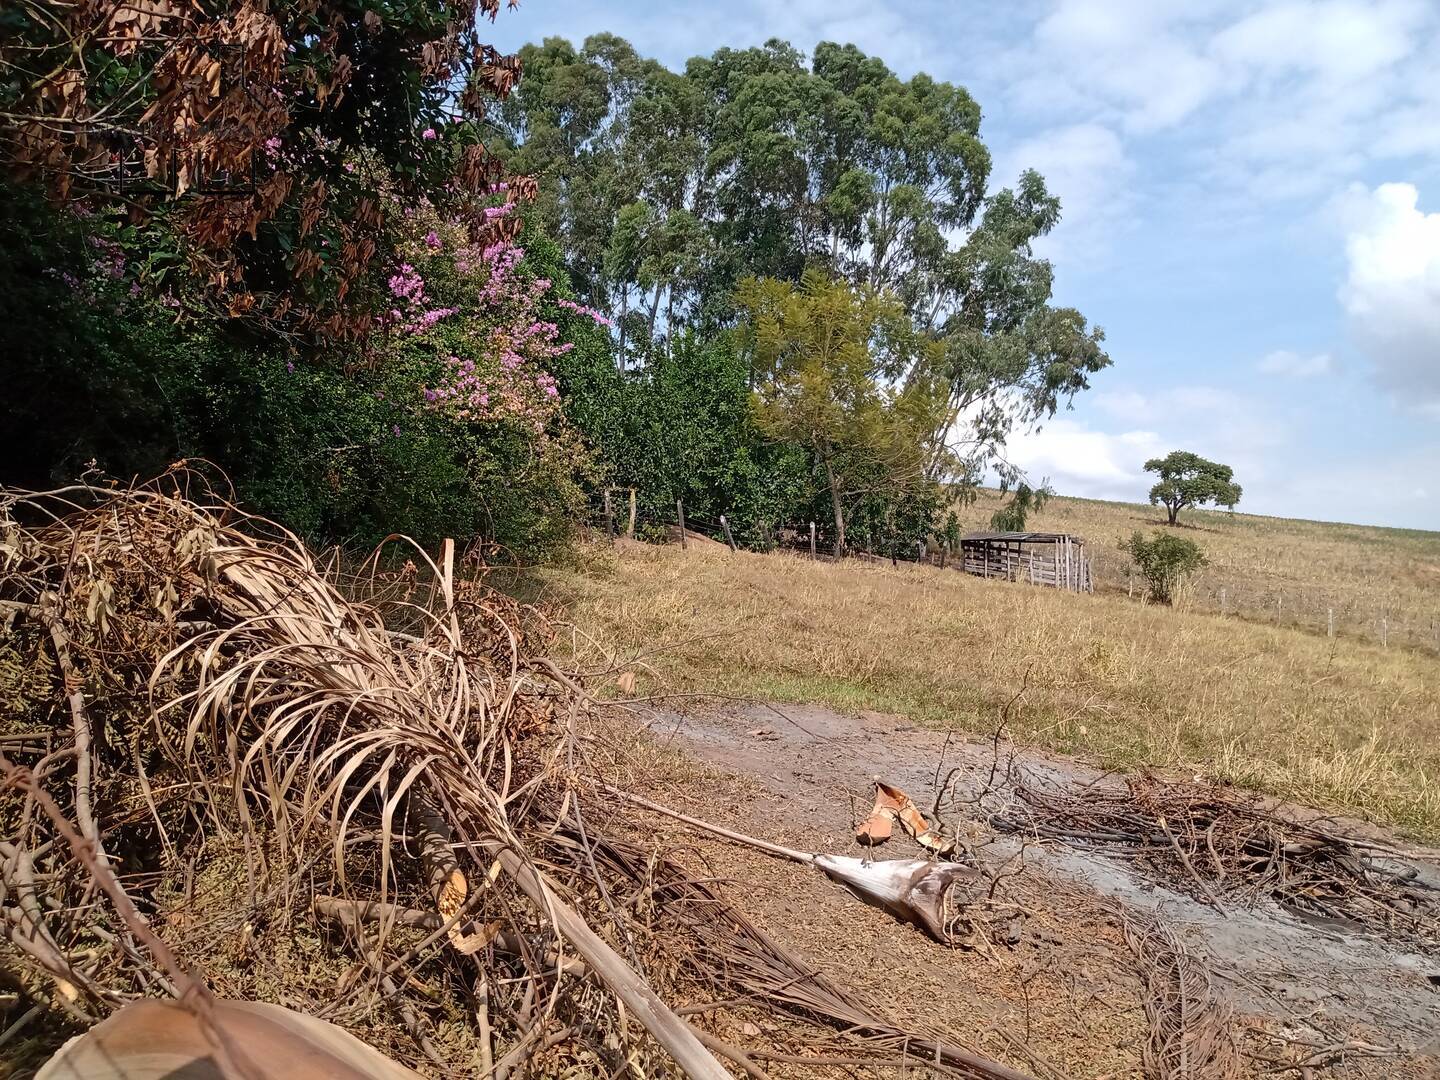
x=1251, y=196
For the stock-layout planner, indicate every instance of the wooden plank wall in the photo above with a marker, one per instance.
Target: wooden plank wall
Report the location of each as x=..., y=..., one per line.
x=1059, y=566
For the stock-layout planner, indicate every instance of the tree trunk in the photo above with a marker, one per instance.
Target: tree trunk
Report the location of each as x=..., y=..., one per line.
x=669, y=320
x=654, y=310
x=624, y=310
x=1174, y=512
x=839, y=512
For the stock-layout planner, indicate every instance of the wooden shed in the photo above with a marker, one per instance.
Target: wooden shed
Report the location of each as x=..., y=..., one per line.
x=1054, y=559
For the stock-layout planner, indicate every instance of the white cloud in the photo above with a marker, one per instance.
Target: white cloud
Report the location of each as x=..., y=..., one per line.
x=1392, y=288
x=1296, y=366
x=1338, y=39
x=1080, y=460
x=1278, y=100
x=1127, y=406
x=1085, y=164
x=1131, y=58
x=1104, y=457
x=1343, y=489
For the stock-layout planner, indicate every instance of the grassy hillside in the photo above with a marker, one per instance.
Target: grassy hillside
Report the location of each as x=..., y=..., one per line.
x=1341, y=723
x=1378, y=582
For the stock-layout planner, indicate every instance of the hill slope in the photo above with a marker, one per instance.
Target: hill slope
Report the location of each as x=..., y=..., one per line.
x=1379, y=583
x=1342, y=722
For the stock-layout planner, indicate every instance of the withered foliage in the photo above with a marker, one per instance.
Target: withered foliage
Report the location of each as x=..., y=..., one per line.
x=263, y=132
x=228, y=768
x=1192, y=1027
x=1223, y=845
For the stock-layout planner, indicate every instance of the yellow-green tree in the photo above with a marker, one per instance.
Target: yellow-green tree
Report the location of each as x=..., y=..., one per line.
x=826, y=360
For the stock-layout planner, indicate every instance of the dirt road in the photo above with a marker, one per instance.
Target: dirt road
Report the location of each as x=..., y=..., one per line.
x=1067, y=998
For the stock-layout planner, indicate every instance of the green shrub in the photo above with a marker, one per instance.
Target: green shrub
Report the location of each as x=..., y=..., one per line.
x=339, y=446
x=1164, y=561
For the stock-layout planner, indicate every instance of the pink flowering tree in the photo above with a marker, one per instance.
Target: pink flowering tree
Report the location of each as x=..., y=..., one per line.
x=483, y=337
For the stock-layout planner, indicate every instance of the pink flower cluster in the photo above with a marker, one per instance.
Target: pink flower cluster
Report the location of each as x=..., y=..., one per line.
x=508, y=380
x=110, y=260
x=408, y=287
x=601, y=319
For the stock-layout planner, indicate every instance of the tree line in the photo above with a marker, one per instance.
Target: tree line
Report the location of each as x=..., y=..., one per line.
x=419, y=286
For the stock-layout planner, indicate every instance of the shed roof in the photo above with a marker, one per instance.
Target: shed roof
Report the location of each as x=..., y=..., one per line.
x=1019, y=537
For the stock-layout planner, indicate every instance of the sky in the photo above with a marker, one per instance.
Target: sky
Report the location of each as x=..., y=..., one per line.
x=1251, y=210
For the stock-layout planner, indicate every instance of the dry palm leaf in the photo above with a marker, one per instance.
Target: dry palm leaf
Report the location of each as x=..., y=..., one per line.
x=892, y=805
x=161, y=1040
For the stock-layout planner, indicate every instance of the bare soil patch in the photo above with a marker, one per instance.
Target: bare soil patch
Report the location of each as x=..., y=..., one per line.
x=1308, y=998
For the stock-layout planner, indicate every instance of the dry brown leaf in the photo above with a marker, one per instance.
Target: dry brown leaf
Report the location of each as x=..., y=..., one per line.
x=892, y=805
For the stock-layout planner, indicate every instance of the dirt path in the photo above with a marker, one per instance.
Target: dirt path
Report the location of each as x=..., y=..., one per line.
x=1067, y=997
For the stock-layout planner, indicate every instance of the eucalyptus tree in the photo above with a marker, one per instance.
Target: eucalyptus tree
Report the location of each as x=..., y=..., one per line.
x=671, y=188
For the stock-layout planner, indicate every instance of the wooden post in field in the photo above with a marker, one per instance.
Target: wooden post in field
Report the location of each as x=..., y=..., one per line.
x=944, y=550
x=680, y=513
x=726, y=526
x=1130, y=586
x=1384, y=632
x=609, y=518
x=920, y=551
x=1279, y=600
x=812, y=540
x=630, y=528
x=1330, y=622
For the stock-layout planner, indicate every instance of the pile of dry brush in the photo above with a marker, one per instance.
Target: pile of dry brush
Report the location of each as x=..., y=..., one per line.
x=230, y=770
x=1222, y=844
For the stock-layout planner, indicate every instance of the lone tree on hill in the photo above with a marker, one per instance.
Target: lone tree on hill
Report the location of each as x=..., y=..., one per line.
x=1187, y=479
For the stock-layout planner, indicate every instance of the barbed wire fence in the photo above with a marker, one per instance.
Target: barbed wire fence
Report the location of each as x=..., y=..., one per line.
x=1334, y=613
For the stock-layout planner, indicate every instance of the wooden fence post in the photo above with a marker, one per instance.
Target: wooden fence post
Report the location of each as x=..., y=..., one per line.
x=1384, y=632
x=944, y=550
x=1330, y=622
x=609, y=518
x=680, y=513
x=630, y=528
x=919, y=550
x=726, y=526
x=812, y=540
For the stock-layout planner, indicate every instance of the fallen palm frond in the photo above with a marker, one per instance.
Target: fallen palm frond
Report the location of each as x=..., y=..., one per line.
x=743, y=961
x=228, y=766
x=915, y=891
x=1191, y=1028
x=1217, y=843
x=154, y=1040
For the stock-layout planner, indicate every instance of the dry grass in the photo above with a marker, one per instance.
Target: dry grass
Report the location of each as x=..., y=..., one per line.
x=1363, y=573
x=1343, y=723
